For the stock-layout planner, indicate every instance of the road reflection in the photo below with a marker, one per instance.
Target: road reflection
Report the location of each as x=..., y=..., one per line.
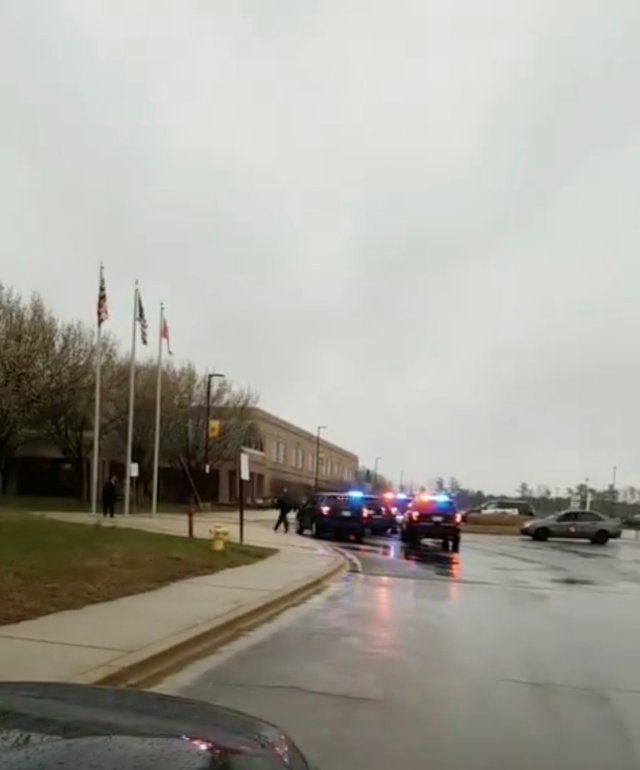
x=429, y=557
x=442, y=563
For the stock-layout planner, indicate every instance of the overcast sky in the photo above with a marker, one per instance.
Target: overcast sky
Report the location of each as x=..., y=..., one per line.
x=415, y=222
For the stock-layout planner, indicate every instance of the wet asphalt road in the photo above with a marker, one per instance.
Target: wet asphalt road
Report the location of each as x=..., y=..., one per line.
x=512, y=654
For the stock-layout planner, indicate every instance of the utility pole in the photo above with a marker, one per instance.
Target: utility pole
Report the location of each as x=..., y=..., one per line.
x=317, y=480
x=375, y=473
x=613, y=490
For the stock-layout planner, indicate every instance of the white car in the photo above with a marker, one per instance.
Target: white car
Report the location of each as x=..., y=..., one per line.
x=506, y=507
x=586, y=525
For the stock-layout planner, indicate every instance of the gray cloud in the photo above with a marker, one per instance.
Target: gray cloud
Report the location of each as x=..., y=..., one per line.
x=415, y=223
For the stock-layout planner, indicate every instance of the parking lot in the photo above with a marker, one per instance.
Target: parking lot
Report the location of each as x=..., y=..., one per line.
x=511, y=653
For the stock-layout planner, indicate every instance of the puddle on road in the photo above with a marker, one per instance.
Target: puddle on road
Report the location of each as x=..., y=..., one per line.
x=574, y=581
x=443, y=564
x=431, y=559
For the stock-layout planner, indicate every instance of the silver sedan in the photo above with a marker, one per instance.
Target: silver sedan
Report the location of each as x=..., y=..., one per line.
x=586, y=525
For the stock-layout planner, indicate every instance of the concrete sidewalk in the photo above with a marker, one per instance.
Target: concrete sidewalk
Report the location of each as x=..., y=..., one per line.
x=97, y=642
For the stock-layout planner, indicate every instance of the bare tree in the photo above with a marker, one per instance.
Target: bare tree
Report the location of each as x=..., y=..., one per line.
x=454, y=485
x=27, y=333
x=185, y=422
x=47, y=390
x=66, y=415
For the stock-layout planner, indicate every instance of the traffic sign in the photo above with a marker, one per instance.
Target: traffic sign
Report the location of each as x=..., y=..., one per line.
x=244, y=467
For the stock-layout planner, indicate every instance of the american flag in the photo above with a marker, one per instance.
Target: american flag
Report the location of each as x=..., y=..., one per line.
x=103, y=310
x=142, y=320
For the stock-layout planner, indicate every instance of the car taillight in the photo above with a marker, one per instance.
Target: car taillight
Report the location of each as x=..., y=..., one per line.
x=365, y=512
x=415, y=515
x=325, y=510
x=458, y=518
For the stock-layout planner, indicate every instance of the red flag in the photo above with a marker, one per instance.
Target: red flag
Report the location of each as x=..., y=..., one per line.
x=164, y=334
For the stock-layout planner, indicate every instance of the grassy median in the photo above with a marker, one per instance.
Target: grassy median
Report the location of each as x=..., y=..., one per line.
x=47, y=566
x=495, y=524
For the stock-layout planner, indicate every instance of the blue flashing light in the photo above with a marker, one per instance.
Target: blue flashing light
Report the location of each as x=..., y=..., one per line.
x=442, y=498
x=401, y=496
x=355, y=493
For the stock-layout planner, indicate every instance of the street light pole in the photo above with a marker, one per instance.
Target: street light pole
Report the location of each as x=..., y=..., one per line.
x=317, y=481
x=206, y=427
x=375, y=472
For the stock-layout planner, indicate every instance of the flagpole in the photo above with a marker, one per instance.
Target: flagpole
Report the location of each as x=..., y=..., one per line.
x=96, y=416
x=132, y=387
x=156, y=446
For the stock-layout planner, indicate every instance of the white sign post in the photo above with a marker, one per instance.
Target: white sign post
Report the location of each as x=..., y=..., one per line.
x=244, y=467
x=134, y=473
x=245, y=475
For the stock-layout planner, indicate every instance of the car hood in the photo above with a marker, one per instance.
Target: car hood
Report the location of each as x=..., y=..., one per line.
x=45, y=725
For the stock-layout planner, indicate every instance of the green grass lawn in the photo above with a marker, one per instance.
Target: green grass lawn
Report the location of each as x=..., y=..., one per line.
x=494, y=524
x=47, y=566
x=41, y=504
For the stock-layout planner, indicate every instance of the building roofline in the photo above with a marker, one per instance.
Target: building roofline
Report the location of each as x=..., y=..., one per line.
x=256, y=412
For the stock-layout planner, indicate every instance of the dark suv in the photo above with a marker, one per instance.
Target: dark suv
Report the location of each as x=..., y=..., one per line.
x=334, y=513
x=432, y=517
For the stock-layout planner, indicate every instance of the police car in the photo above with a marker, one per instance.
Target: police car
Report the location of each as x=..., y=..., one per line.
x=334, y=514
x=432, y=517
x=382, y=513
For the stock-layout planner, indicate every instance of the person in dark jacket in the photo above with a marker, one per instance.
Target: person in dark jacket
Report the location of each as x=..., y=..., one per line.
x=109, y=497
x=284, y=506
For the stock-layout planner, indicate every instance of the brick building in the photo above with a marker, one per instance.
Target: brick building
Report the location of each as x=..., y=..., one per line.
x=284, y=455
x=281, y=455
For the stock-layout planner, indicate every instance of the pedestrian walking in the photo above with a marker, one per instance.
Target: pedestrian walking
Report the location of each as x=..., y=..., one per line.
x=284, y=506
x=109, y=497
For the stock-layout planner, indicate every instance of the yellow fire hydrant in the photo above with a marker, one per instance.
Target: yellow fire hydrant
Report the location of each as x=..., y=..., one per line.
x=220, y=537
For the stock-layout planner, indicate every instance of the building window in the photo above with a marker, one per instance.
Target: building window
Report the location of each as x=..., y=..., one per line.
x=274, y=450
x=299, y=458
x=311, y=462
x=281, y=452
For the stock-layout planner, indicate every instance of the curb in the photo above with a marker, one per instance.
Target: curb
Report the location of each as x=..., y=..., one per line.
x=354, y=564
x=147, y=666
